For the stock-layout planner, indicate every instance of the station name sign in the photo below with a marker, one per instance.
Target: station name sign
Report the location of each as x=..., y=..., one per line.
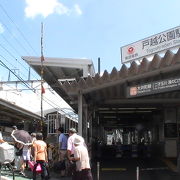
x=151, y=45
x=166, y=85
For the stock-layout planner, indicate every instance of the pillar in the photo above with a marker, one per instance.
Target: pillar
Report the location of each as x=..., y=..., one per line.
x=170, y=132
x=80, y=105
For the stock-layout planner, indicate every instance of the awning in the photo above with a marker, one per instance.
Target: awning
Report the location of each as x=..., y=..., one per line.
x=57, y=70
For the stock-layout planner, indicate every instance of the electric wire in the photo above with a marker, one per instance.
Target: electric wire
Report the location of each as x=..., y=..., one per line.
x=7, y=61
x=8, y=52
x=20, y=44
x=16, y=75
x=11, y=56
x=16, y=52
x=51, y=103
x=10, y=45
x=18, y=29
x=30, y=88
x=5, y=66
x=14, y=48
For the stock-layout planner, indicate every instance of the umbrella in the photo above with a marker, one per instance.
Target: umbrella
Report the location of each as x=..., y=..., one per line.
x=22, y=137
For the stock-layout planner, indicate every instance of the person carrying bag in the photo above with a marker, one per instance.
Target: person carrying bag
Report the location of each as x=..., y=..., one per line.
x=40, y=157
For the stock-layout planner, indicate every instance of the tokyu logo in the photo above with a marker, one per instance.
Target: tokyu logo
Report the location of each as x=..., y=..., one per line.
x=131, y=50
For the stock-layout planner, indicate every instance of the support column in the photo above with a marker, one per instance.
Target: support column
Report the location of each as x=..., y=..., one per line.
x=85, y=124
x=80, y=105
x=170, y=132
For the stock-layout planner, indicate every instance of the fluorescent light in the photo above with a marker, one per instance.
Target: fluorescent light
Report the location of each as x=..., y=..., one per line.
x=143, y=111
x=108, y=117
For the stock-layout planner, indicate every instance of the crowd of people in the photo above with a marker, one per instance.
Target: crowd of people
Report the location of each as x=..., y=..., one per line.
x=72, y=152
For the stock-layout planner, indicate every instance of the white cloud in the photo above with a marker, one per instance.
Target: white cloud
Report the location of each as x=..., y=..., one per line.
x=48, y=7
x=1, y=28
x=61, y=9
x=77, y=9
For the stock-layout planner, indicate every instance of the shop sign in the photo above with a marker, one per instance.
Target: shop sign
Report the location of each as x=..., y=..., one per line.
x=154, y=87
x=151, y=45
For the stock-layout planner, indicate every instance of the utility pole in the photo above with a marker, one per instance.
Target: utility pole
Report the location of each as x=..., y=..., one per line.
x=42, y=81
x=99, y=65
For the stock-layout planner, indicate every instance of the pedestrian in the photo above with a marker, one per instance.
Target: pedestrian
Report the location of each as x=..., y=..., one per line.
x=26, y=154
x=1, y=137
x=70, y=151
x=62, y=150
x=18, y=161
x=70, y=142
x=40, y=156
x=81, y=157
x=33, y=135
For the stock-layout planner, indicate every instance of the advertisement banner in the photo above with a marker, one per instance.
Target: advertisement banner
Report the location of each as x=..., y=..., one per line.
x=151, y=45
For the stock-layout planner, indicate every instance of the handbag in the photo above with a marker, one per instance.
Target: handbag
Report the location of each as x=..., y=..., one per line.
x=38, y=168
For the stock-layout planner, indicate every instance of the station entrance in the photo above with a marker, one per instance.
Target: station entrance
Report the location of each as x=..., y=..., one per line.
x=131, y=132
x=129, y=112
x=133, y=112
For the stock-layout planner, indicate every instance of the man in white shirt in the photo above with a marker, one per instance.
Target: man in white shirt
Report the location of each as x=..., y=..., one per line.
x=70, y=151
x=70, y=142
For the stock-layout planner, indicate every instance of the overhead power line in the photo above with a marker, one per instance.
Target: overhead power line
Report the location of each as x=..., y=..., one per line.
x=20, y=44
x=5, y=12
x=17, y=40
x=48, y=101
x=17, y=76
x=10, y=45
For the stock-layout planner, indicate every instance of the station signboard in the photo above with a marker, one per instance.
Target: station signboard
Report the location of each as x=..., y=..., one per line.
x=151, y=45
x=155, y=87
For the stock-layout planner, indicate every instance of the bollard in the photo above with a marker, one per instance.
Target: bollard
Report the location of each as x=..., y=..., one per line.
x=98, y=167
x=137, y=173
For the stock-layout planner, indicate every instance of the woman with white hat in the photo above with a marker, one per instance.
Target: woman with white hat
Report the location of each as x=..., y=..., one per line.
x=81, y=157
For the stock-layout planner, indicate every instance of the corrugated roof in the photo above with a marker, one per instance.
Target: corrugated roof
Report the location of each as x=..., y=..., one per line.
x=169, y=63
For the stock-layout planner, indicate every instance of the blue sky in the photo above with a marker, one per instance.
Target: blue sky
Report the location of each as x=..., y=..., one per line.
x=79, y=28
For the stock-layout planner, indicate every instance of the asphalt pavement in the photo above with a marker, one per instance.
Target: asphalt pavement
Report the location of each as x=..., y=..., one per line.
x=134, y=168
x=7, y=175
x=118, y=168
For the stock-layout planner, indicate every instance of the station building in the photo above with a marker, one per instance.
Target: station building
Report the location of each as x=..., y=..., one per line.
x=127, y=111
